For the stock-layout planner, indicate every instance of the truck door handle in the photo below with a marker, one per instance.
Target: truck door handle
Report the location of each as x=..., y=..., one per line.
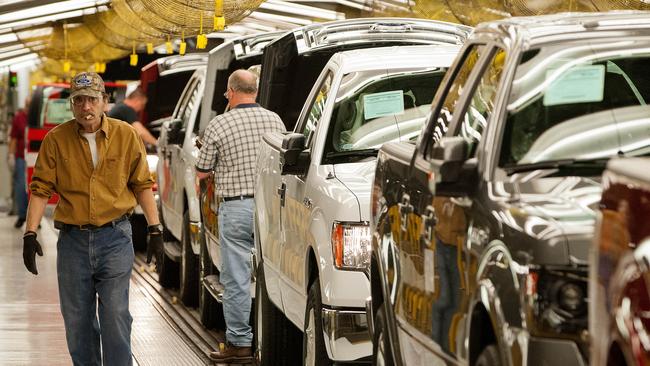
x=307, y=202
x=282, y=190
x=405, y=208
x=429, y=221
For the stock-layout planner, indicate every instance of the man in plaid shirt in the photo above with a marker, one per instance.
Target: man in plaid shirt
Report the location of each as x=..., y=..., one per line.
x=230, y=149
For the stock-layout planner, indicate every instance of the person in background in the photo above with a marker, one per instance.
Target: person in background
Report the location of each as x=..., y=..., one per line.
x=230, y=146
x=98, y=166
x=16, y=159
x=129, y=110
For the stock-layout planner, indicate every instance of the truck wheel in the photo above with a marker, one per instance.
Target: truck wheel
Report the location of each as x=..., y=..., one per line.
x=189, y=267
x=313, y=345
x=275, y=336
x=489, y=356
x=167, y=270
x=139, y=230
x=382, y=354
x=210, y=311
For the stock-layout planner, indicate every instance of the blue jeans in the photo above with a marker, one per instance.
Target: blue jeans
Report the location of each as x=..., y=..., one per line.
x=447, y=304
x=94, y=267
x=236, y=239
x=20, y=190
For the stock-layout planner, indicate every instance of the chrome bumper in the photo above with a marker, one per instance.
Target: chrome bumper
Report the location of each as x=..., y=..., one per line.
x=346, y=334
x=549, y=351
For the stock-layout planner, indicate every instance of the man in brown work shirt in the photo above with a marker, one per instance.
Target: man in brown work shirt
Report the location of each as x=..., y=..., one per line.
x=98, y=167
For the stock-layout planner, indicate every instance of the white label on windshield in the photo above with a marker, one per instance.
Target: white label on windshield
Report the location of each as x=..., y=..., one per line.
x=581, y=84
x=383, y=104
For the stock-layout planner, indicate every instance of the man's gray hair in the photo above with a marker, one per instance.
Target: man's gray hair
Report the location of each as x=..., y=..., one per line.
x=243, y=81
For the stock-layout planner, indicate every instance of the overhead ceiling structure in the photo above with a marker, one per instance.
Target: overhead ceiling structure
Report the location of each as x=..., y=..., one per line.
x=69, y=35
x=80, y=33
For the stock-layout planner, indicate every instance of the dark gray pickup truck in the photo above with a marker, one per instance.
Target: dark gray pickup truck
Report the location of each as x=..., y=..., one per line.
x=481, y=229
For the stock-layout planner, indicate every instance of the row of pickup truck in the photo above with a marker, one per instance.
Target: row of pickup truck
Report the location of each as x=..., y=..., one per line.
x=435, y=196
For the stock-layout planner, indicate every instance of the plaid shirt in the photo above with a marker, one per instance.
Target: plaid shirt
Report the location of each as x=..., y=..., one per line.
x=230, y=145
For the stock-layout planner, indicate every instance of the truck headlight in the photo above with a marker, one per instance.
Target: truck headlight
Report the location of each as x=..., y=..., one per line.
x=351, y=245
x=571, y=297
x=558, y=299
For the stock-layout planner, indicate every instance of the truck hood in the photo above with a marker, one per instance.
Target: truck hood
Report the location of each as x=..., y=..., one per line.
x=558, y=212
x=358, y=178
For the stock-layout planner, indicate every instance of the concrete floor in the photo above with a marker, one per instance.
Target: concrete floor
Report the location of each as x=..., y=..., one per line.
x=31, y=326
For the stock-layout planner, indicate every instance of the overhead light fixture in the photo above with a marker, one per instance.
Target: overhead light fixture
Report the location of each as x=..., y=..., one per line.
x=14, y=53
x=50, y=9
x=355, y=4
x=13, y=47
x=310, y=12
x=53, y=17
x=279, y=19
x=25, y=64
x=254, y=27
x=18, y=60
x=8, y=38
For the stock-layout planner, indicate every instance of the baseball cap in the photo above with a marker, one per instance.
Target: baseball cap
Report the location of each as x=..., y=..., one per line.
x=87, y=83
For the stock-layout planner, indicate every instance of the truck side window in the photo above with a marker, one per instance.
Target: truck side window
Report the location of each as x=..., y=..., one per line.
x=460, y=77
x=187, y=112
x=482, y=102
x=317, y=108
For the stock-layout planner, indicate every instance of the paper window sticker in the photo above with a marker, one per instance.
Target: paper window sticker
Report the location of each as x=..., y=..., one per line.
x=383, y=104
x=582, y=84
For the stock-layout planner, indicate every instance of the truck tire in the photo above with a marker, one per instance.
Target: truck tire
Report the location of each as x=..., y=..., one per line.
x=313, y=345
x=275, y=336
x=139, y=230
x=489, y=356
x=167, y=270
x=189, y=267
x=210, y=311
x=382, y=354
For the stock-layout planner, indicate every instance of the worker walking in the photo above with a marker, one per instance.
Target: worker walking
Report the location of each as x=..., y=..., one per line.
x=16, y=161
x=98, y=167
x=229, y=149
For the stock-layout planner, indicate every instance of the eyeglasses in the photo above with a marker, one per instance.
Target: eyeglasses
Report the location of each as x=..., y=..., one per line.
x=225, y=94
x=80, y=100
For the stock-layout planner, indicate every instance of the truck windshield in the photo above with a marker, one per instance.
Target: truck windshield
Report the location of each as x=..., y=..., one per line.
x=578, y=102
x=379, y=106
x=55, y=106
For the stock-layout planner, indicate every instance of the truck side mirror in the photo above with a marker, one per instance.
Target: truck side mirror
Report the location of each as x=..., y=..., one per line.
x=175, y=133
x=453, y=173
x=448, y=155
x=292, y=145
x=293, y=157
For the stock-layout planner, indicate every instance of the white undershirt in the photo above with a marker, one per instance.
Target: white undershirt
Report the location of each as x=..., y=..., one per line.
x=93, y=145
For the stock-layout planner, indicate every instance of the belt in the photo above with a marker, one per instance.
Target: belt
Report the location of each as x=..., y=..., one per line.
x=67, y=227
x=237, y=198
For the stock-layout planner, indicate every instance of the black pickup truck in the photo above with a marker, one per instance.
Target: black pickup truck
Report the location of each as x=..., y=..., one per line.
x=481, y=229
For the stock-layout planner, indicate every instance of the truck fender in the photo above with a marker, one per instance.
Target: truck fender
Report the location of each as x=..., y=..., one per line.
x=499, y=292
x=322, y=249
x=193, y=205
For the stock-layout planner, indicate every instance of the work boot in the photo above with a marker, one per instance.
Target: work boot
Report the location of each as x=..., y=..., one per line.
x=19, y=222
x=228, y=353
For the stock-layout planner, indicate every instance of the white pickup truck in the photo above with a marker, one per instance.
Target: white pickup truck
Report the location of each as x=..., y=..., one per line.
x=313, y=187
